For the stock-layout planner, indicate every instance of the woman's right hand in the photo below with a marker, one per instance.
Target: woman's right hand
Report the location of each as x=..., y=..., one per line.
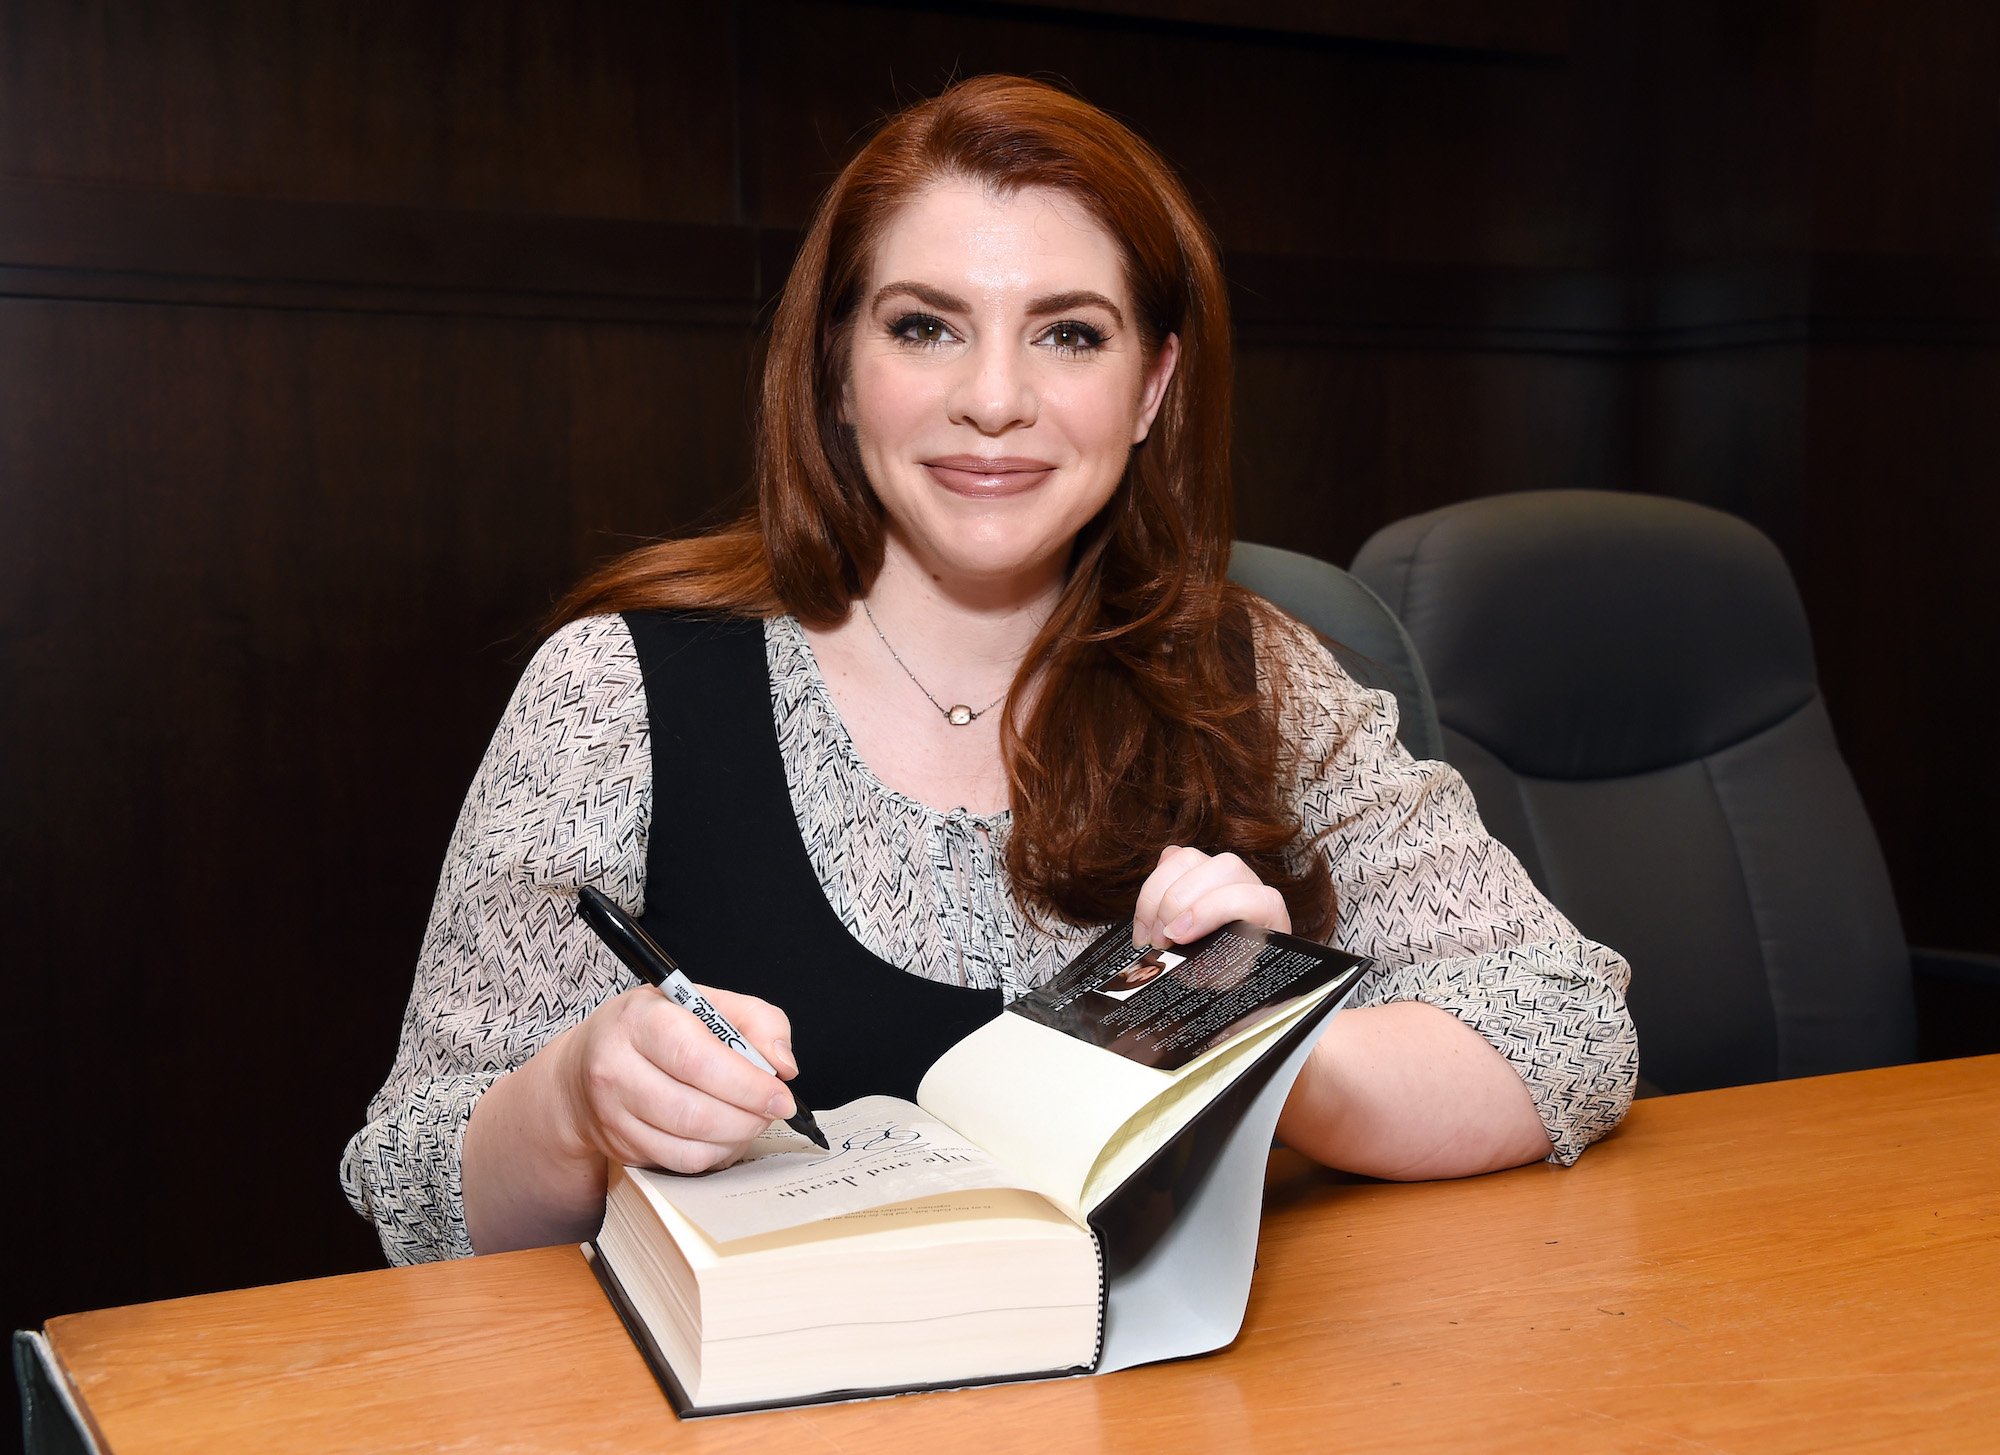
x=642, y=1081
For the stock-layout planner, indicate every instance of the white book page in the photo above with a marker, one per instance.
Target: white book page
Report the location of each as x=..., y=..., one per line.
x=1041, y=1102
x=1065, y=1114
x=884, y=1151
x=1194, y=1087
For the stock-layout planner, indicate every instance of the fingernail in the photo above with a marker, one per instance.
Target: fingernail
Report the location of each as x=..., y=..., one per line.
x=1181, y=928
x=782, y=1107
x=788, y=1063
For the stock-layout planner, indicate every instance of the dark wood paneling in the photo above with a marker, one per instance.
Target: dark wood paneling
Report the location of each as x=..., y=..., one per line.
x=594, y=109
x=1415, y=429
x=267, y=580
x=109, y=244
x=1719, y=133
x=1727, y=428
x=1538, y=27
x=64, y=240
x=1899, y=532
x=1906, y=130
x=1292, y=159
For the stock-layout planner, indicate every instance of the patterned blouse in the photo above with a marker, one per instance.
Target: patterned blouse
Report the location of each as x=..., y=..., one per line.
x=563, y=798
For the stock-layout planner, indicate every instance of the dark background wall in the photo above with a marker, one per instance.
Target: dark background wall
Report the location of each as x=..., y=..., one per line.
x=336, y=338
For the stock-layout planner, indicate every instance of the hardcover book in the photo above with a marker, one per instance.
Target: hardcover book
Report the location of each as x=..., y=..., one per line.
x=1076, y=1189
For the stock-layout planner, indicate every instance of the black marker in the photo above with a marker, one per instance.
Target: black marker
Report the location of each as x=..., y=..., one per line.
x=645, y=959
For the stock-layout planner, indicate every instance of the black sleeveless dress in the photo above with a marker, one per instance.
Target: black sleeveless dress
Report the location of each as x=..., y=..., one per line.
x=731, y=893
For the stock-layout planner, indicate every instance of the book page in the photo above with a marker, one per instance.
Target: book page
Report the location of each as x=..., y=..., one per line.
x=1162, y=1119
x=884, y=1151
x=1041, y=1102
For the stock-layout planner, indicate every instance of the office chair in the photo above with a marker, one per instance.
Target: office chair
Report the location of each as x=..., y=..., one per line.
x=1366, y=638
x=1627, y=682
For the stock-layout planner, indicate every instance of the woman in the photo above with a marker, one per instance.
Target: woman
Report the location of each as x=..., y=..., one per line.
x=965, y=686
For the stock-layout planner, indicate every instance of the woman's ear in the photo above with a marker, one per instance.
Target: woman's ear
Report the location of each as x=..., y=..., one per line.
x=1155, y=390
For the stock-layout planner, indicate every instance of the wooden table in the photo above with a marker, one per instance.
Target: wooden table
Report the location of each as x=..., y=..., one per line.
x=1803, y=1266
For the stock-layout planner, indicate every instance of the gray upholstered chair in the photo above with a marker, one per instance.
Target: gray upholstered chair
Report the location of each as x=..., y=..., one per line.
x=1366, y=637
x=1627, y=682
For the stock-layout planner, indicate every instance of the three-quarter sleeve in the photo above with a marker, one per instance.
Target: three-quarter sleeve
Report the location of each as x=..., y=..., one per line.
x=1447, y=911
x=562, y=798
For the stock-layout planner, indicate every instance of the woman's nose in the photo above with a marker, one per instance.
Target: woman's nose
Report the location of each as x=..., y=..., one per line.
x=996, y=392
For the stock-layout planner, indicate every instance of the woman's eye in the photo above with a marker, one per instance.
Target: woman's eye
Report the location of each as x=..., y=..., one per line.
x=1070, y=337
x=921, y=329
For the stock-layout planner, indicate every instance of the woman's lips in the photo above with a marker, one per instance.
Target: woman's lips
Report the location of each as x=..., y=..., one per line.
x=988, y=478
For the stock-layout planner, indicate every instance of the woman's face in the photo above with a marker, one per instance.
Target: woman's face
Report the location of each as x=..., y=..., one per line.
x=996, y=382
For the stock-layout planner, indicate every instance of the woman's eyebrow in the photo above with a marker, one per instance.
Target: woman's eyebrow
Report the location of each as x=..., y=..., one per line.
x=945, y=302
x=1075, y=299
x=923, y=292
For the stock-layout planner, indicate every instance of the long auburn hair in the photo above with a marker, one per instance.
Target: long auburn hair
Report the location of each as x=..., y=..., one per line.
x=1150, y=726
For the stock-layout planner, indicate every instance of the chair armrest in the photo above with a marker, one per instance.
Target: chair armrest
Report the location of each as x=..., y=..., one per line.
x=1958, y=1003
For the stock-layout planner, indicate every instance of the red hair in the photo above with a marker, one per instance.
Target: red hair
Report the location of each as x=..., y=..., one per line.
x=1151, y=726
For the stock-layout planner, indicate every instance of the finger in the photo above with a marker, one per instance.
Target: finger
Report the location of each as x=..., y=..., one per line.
x=679, y=1155
x=1250, y=900
x=1175, y=862
x=1182, y=878
x=1187, y=911
x=625, y=1091
x=654, y=1106
x=762, y=1024
x=642, y=1145
x=675, y=1042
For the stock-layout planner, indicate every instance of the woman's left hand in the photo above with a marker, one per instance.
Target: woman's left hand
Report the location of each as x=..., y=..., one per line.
x=1191, y=893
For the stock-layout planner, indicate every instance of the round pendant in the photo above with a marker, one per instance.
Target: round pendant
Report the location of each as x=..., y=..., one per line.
x=959, y=716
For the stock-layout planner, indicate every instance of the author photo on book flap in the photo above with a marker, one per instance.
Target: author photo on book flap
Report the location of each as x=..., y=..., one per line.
x=965, y=685
x=1140, y=973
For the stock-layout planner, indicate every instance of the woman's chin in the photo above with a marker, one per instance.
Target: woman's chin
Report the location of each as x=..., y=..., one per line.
x=999, y=569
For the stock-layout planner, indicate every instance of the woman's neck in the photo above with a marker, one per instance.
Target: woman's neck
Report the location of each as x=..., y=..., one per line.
x=969, y=638
x=913, y=638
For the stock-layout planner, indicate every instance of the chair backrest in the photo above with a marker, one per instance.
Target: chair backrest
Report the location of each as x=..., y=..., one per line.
x=1365, y=636
x=1627, y=682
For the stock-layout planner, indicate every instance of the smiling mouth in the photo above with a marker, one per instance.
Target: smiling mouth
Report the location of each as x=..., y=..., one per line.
x=987, y=479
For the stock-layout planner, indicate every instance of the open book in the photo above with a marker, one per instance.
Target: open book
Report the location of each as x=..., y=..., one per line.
x=1077, y=1188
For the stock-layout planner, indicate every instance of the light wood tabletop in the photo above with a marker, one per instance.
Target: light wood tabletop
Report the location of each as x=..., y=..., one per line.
x=1804, y=1266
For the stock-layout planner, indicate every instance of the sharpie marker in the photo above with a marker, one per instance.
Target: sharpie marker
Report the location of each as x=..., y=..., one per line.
x=645, y=959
